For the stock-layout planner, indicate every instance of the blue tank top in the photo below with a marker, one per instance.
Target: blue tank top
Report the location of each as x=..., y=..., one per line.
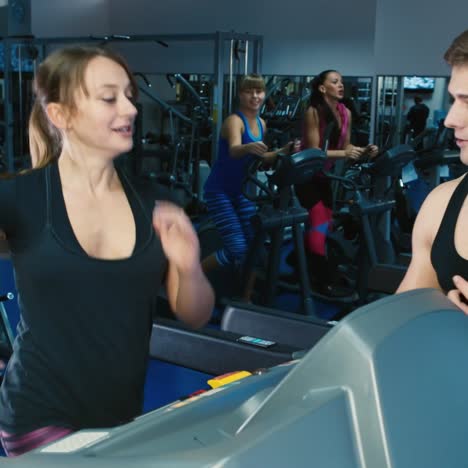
x=227, y=173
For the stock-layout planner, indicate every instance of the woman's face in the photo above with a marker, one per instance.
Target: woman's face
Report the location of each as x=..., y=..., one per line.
x=251, y=99
x=103, y=121
x=333, y=86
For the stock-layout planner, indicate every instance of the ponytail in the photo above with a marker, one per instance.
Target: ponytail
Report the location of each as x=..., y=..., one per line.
x=45, y=142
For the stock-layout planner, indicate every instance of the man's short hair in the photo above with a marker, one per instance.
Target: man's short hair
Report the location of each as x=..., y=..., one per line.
x=457, y=53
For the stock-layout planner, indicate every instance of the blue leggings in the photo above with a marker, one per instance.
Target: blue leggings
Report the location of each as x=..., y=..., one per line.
x=231, y=215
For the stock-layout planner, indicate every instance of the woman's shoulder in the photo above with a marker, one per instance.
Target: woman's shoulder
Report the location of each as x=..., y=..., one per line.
x=312, y=114
x=312, y=110
x=232, y=122
x=234, y=119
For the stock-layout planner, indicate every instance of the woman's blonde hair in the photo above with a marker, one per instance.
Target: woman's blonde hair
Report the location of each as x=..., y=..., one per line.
x=252, y=81
x=57, y=79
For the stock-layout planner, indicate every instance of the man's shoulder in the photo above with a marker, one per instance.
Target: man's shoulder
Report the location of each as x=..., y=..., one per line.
x=446, y=189
x=436, y=202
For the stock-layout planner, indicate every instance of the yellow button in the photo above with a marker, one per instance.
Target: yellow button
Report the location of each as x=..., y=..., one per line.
x=227, y=378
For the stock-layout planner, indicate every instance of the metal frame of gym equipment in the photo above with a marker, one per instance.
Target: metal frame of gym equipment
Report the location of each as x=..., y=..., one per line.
x=386, y=88
x=177, y=142
x=223, y=41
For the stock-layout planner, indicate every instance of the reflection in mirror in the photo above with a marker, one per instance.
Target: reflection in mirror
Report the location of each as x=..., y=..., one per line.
x=285, y=104
x=172, y=127
x=287, y=99
x=411, y=109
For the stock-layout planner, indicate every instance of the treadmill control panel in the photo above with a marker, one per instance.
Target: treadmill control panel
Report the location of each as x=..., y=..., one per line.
x=256, y=341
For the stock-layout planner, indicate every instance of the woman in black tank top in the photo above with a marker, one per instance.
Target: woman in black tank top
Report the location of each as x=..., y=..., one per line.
x=90, y=251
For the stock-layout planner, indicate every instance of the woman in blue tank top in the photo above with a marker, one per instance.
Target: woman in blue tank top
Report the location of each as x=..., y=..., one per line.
x=240, y=141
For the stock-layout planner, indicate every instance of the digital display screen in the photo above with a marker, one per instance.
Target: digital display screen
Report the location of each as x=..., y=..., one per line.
x=418, y=83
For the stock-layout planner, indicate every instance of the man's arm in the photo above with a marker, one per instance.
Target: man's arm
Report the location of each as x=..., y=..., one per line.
x=421, y=273
x=459, y=295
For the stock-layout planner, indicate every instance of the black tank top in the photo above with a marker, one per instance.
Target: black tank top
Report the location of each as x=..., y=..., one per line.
x=81, y=351
x=444, y=256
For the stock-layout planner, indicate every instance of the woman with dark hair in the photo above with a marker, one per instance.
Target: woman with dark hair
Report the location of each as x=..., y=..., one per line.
x=327, y=125
x=90, y=250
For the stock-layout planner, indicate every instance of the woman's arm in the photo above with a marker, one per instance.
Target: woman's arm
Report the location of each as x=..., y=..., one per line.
x=189, y=293
x=312, y=137
x=232, y=131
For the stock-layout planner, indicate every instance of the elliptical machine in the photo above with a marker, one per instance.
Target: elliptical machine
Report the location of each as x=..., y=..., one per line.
x=369, y=201
x=280, y=210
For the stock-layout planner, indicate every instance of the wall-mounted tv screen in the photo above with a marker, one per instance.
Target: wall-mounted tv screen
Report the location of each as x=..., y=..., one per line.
x=419, y=83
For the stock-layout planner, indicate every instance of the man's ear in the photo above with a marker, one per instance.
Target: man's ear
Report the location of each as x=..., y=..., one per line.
x=58, y=115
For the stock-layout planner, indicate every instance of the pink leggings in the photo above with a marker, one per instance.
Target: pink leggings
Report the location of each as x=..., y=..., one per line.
x=15, y=445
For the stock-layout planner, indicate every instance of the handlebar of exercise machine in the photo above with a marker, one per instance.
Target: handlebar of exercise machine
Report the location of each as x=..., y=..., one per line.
x=299, y=167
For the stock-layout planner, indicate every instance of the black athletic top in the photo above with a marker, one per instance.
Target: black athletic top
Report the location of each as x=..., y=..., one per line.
x=444, y=257
x=80, y=355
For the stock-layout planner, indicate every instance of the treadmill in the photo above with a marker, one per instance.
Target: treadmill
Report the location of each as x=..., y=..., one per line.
x=386, y=387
